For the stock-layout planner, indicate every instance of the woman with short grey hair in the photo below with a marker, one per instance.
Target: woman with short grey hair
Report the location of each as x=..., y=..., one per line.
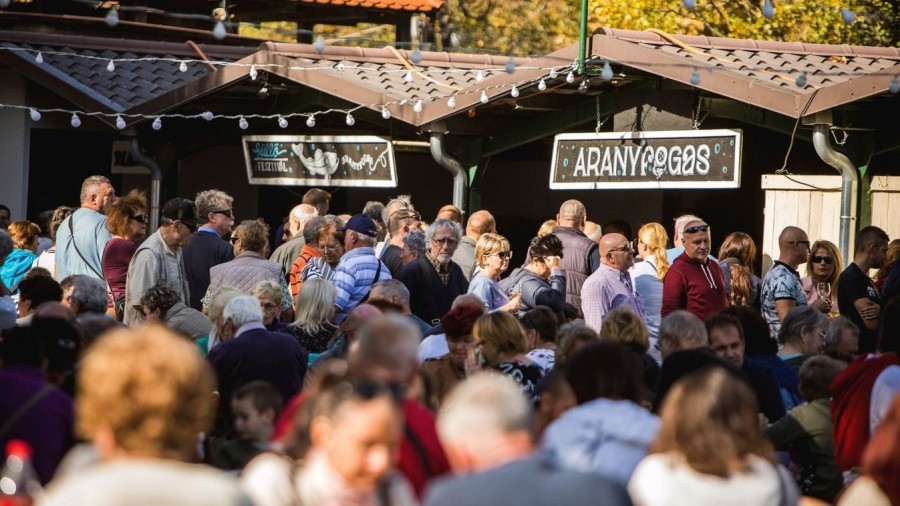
x=801, y=335
x=842, y=339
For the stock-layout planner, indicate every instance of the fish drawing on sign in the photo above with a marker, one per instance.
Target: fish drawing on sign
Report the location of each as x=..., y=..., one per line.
x=321, y=164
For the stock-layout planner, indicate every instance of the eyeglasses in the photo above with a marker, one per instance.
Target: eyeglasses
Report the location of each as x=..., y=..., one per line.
x=503, y=254
x=822, y=260
x=141, y=218
x=447, y=241
x=408, y=214
x=695, y=229
x=805, y=243
x=626, y=248
x=268, y=306
x=224, y=212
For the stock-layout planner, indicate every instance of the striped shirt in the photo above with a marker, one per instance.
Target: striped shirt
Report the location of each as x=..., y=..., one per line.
x=353, y=278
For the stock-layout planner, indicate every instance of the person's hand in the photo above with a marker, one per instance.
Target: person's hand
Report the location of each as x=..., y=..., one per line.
x=870, y=312
x=552, y=262
x=515, y=302
x=473, y=361
x=823, y=305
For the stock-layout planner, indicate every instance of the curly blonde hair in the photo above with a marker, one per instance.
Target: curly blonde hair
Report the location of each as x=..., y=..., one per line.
x=655, y=237
x=150, y=388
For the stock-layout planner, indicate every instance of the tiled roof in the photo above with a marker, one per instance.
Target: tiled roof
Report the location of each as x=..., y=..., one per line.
x=762, y=73
x=397, y=5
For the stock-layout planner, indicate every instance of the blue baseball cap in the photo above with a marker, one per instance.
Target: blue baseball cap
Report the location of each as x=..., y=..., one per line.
x=362, y=224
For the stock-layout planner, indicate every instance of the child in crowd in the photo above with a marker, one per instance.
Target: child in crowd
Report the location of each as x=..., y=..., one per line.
x=255, y=407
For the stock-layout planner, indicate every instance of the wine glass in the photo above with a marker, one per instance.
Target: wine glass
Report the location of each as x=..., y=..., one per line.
x=824, y=290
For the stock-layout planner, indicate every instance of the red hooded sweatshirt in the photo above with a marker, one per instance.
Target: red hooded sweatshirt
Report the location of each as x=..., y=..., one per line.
x=698, y=288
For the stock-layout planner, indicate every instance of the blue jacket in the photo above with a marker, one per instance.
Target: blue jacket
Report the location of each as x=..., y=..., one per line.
x=17, y=264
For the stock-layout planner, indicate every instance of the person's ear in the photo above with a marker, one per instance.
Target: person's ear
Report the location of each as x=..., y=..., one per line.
x=269, y=415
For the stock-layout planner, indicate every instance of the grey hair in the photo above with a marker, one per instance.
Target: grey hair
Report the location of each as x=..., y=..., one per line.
x=404, y=201
x=443, y=223
x=394, y=287
x=311, y=229
x=480, y=409
x=6, y=245
x=210, y=200
x=90, y=294
x=242, y=310
x=682, y=221
x=91, y=184
x=369, y=239
x=303, y=216
x=415, y=241
x=681, y=330
x=796, y=320
x=834, y=334
x=390, y=342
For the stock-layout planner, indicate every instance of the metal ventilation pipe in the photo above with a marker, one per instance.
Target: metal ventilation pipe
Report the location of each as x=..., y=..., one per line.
x=451, y=164
x=155, y=180
x=849, y=181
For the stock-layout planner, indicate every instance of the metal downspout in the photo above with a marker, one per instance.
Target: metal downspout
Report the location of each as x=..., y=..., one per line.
x=849, y=181
x=451, y=164
x=155, y=180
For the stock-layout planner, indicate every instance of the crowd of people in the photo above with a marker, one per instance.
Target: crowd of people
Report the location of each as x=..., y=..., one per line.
x=379, y=359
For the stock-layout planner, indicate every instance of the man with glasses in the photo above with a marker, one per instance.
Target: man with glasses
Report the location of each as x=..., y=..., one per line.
x=781, y=289
x=158, y=260
x=207, y=247
x=610, y=286
x=695, y=282
x=858, y=298
x=435, y=281
x=480, y=223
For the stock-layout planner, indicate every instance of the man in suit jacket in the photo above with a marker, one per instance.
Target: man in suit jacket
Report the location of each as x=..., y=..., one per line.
x=485, y=427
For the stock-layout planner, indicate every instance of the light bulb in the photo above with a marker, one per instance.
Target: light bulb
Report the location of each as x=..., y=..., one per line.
x=695, y=78
x=801, y=80
x=350, y=120
x=36, y=115
x=112, y=17
x=385, y=113
x=848, y=16
x=416, y=57
x=479, y=77
x=282, y=122
x=120, y=123
x=895, y=85
x=182, y=67
x=510, y=65
x=542, y=85
x=571, y=77
x=484, y=98
x=320, y=44
x=219, y=30
x=253, y=72
x=607, y=73
x=207, y=115
x=553, y=74
x=451, y=102
x=311, y=121
x=768, y=10
x=514, y=91
x=243, y=123
x=39, y=58
x=111, y=67
x=417, y=106
x=76, y=121
x=408, y=77
x=157, y=124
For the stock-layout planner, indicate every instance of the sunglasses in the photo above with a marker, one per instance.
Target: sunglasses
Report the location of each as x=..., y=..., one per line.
x=504, y=254
x=626, y=248
x=224, y=212
x=141, y=218
x=406, y=214
x=822, y=260
x=698, y=228
x=805, y=243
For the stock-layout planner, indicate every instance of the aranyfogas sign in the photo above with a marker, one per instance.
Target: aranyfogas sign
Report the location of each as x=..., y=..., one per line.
x=313, y=160
x=670, y=159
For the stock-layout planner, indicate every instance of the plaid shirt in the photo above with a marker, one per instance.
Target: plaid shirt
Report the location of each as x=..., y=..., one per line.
x=442, y=269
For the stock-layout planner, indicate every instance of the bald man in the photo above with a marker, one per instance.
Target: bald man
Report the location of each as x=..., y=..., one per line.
x=450, y=212
x=481, y=222
x=610, y=285
x=593, y=231
x=695, y=281
x=581, y=258
x=781, y=289
x=289, y=251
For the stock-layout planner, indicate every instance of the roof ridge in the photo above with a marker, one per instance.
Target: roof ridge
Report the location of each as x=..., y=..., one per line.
x=751, y=44
x=385, y=53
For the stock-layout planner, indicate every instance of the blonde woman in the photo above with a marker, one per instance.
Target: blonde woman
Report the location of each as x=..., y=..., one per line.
x=824, y=266
x=24, y=235
x=736, y=257
x=314, y=309
x=648, y=277
x=492, y=256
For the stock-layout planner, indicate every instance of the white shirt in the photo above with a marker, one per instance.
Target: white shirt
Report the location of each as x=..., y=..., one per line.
x=886, y=387
x=433, y=347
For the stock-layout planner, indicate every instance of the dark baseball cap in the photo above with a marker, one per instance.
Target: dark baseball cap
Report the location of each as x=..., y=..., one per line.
x=362, y=224
x=182, y=210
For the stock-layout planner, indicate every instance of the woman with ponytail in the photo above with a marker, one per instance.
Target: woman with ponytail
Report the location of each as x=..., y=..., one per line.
x=736, y=257
x=648, y=277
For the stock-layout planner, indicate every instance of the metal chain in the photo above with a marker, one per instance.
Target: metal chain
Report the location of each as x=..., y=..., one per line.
x=599, y=122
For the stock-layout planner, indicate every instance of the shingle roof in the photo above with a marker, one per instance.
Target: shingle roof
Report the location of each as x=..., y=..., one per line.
x=762, y=73
x=404, y=5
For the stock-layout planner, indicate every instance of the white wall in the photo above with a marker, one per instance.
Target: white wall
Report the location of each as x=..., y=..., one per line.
x=14, y=135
